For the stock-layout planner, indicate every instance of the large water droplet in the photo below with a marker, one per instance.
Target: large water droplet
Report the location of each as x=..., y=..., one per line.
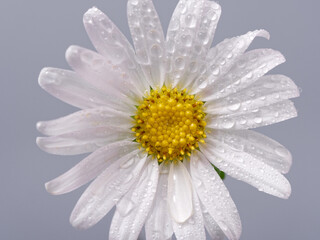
x=179, y=63
x=282, y=152
x=190, y=21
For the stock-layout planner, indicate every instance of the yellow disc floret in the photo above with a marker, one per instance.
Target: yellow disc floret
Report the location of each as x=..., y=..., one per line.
x=169, y=124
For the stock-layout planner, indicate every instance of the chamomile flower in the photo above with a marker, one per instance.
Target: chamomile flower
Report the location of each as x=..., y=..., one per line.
x=161, y=120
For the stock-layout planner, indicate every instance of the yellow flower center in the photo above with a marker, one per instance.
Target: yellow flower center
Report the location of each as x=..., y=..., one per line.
x=169, y=124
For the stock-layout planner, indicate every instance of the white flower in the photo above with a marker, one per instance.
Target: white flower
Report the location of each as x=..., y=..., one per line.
x=157, y=117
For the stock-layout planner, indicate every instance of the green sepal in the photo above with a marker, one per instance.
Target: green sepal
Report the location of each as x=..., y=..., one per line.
x=134, y=140
x=221, y=174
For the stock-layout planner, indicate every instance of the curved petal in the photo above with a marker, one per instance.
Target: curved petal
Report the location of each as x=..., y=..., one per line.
x=86, y=140
x=133, y=209
x=179, y=192
x=254, y=118
x=85, y=119
x=267, y=90
x=215, y=196
x=211, y=225
x=103, y=74
x=222, y=57
x=193, y=228
x=91, y=167
x=113, y=45
x=159, y=224
x=189, y=36
x=148, y=39
x=260, y=147
x=244, y=167
x=70, y=88
x=106, y=190
x=247, y=69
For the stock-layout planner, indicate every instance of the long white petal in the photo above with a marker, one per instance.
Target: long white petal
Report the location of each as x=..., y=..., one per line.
x=91, y=167
x=103, y=74
x=247, y=69
x=254, y=118
x=113, y=45
x=193, y=228
x=215, y=196
x=85, y=119
x=133, y=209
x=159, y=224
x=148, y=39
x=267, y=90
x=260, y=147
x=223, y=56
x=86, y=140
x=106, y=190
x=189, y=36
x=179, y=193
x=70, y=88
x=244, y=167
x=211, y=225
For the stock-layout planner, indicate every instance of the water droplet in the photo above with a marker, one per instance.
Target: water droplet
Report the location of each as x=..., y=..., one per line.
x=282, y=152
x=234, y=105
x=228, y=123
x=190, y=21
x=257, y=120
x=212, y=15
x=179, y=63
x=156, y=51
x=216, y=71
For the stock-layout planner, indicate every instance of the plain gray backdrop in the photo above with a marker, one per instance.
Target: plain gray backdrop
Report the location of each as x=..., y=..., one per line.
x=36, y=33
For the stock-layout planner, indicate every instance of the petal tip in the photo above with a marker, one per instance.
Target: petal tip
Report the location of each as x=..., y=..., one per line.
x=43, y=76
x=49, y=188
x=264, y=33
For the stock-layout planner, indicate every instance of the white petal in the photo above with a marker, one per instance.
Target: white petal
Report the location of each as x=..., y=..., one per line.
x=254, y=118
x=102, y=74
x=85, y=119
x=70, y=88
x=267, y=90
x=86, y=140
x=247, y=69
x=91, y=167
x=133, y=209
x=189, y=36
x=257, y=145
x=211, y=225
x=113, y=45
x=105, y=191
x=215, y=196
x=148, y=39
x=244, y=167
x=179, y=193
x=193, y=228
x=159, y=224
x=223, y=56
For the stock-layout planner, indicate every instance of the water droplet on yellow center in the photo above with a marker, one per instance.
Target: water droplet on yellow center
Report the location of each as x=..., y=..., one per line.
x=169, y=124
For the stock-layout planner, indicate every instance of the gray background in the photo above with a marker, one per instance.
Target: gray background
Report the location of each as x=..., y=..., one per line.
x=35, y=34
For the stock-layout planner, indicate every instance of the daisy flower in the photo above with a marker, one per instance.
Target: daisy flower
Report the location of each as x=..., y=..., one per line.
x=161, y=121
